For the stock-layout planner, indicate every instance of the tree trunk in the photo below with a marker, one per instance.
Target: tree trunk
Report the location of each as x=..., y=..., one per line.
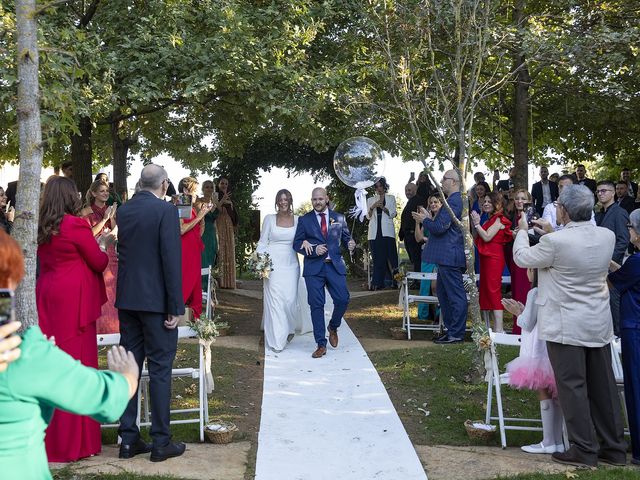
x=25, y=229
x=120, y=148
x=469, y=251
x=82, y=155
x=520, y=119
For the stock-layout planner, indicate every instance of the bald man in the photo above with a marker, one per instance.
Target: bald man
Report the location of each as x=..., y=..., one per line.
x=149, y=302
x=446, y=250
x=318, y=237
x=408, y=225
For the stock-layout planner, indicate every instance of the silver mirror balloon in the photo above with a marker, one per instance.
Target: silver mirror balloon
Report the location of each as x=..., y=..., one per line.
x=358, y=162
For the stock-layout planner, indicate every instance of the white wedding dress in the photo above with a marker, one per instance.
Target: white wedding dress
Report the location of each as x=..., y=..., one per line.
x=282, y=307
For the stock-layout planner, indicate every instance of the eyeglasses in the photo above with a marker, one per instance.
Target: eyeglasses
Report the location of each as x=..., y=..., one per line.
x=449, y=178
x=630, y=225
x=604, y=190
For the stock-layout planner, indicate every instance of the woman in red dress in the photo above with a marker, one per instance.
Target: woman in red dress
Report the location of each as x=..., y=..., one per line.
x=191, y=231
x=102, y=219
x=69, y=293
x=520, y=284
x=490, y=239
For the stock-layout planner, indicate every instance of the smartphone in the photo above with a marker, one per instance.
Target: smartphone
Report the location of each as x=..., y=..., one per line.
x=184, y=202
x=412, y=177
x=7, y=306
x=531, y=215
x=6, y=210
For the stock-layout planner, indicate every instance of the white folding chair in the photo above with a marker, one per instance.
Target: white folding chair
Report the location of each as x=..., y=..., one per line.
x=408, y=298
x=144, y=411
x=496, y=379
x=208, y=296
x=618, y=373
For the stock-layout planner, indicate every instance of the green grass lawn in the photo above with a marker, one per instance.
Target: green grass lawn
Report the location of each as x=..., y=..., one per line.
x=439, y=380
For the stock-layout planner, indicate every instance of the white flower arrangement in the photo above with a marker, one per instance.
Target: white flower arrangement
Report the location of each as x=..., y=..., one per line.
x=260, y=265
x=205, y=328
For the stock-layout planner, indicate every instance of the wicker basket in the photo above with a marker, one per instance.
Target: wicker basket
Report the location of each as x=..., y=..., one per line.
x=479, y=433
x=398, y=333
x=224, y=331
x=222, y=435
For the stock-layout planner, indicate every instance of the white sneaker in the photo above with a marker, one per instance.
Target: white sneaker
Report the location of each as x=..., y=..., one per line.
x=540, y=448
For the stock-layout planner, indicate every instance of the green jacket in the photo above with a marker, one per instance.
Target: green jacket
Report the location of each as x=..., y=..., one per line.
x=42, y=379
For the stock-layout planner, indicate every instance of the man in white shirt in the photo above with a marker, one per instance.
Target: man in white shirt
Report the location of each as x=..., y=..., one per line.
x=549, y=223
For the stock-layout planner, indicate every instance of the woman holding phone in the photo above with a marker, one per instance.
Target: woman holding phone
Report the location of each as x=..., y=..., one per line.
x=191, y=230
x=381, y=210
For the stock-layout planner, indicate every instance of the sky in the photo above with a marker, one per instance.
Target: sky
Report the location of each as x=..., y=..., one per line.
x=395, y=170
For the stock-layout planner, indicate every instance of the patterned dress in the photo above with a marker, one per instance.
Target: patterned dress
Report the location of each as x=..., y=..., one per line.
x=108, y=321
x=226, y=249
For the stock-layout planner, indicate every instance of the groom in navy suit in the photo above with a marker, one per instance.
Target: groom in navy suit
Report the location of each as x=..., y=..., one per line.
x=318, y=237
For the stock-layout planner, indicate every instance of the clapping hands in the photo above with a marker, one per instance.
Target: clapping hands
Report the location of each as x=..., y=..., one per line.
x=421, y=215
x=512, y=306
x=475, y=218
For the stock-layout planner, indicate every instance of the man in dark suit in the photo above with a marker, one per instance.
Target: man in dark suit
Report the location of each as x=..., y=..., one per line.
x=625, y=176
x=446, y=250
x=408, y=225
x=544, y=192
x=622, y=196
x=581, y=178
x=149, y=302
x=504, y=186
x=615, y=219
x=318, y=237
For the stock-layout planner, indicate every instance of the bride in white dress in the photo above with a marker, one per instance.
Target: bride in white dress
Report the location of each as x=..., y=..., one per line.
x=281, y=309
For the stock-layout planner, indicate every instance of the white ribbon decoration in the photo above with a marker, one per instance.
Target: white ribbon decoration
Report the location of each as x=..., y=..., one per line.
x=360, y=210
x=208, y=379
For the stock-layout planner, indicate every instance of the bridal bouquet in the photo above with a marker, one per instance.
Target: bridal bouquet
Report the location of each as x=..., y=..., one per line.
x=260, y=265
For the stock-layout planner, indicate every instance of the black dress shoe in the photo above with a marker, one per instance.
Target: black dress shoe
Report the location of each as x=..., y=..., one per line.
x=133, y=449
x=575, y=458
x=612, y=459
x=160, y=454
x=447, y=340
x=439, y=336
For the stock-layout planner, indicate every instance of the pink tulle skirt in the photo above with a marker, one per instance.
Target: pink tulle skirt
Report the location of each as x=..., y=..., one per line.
x=532, y=374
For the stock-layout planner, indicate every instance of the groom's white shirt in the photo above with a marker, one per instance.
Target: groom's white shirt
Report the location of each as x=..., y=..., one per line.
x=326, y=218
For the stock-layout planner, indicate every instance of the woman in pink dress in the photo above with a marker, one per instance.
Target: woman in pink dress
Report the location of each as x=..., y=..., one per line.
x=191, y=231
x=102, y=219
x=70, y=293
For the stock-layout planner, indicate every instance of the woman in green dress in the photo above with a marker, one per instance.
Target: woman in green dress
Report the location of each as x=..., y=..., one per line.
x=210, y=235
x=44, y=378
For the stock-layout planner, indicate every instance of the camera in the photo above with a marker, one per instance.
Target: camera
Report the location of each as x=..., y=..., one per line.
x=7, y=306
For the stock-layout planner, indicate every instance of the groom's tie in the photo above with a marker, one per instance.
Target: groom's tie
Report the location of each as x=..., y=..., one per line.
x=323, y=224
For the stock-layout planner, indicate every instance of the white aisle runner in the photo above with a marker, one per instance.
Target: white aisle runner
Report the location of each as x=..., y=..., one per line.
x=330, y=418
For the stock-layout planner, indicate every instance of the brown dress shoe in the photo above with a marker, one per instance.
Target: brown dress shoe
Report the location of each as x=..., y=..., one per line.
x=333, y=338
x=320, y=351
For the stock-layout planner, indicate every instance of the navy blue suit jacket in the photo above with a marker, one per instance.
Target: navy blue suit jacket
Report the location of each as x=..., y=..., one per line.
x=538, y=197
x=309, y=229
x=149, y=256
x=445, y=245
